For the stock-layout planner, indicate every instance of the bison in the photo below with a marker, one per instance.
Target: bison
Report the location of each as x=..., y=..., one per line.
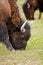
x=19, y=31
x=14, y=32
x=5, y=13
x=30, y=6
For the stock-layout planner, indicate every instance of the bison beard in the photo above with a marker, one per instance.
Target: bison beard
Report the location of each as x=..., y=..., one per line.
x=18, y=39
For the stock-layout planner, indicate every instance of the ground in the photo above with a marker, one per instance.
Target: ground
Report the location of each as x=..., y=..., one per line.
x=33, y=55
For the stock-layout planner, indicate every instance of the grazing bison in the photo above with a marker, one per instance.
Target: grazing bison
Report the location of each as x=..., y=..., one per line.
x=19, y=35
x=5, y=13
x=14, y=32
x=19, y=31
x=30, y=6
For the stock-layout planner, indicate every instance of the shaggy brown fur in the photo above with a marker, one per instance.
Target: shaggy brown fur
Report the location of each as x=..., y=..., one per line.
x=15, y=17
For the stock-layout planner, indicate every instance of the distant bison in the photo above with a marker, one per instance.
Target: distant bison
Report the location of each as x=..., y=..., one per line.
x=5, y=13
x=30, y=6
x=19, y=31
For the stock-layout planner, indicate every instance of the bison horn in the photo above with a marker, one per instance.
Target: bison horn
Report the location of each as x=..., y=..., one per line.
x=22, y=27
x=28, y=5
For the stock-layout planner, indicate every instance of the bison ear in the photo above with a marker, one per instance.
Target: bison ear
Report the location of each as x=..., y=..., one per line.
x=28, y=5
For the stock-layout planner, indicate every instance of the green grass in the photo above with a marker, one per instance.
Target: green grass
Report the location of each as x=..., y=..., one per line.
x=36, y=40
x=33, y=55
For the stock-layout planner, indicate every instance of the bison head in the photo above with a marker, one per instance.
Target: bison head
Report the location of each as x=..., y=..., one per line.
x=19, y=37
x=29, y=8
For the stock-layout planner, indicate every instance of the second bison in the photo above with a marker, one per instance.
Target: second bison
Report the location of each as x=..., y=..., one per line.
x=30, y=6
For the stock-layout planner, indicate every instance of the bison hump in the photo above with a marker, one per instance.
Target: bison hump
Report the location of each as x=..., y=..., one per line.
x=4, y=4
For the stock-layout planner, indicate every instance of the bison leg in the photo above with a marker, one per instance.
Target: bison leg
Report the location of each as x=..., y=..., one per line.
x=4, y=36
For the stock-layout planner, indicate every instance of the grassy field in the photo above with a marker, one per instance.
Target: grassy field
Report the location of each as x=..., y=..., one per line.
x=33, y=55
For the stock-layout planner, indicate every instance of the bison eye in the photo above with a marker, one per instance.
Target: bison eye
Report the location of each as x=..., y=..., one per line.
x=28, y=5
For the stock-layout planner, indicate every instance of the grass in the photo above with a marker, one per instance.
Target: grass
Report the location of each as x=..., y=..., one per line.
x=36, y=41
x=33, y=55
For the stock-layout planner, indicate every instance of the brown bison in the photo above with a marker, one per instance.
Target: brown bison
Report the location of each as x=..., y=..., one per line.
x=19, y=31
x=14, y=32
x=5, y=13
x=30, y=6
